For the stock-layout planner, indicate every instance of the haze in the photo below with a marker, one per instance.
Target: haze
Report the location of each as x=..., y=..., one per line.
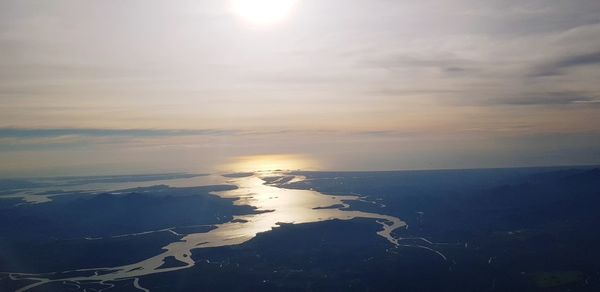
x=152, y=86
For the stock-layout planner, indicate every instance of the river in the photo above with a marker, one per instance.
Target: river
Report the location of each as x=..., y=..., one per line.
x=275, y=205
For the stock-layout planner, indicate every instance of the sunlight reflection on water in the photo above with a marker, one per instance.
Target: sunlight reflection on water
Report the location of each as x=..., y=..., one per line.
x=278, y=205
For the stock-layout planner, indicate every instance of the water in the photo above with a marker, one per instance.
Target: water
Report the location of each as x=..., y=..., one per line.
x=276, y=205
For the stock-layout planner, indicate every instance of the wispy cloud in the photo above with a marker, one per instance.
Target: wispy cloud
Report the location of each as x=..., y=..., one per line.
x=548, y=98
x=556, y=67
x=445, y=64
x=91, y=132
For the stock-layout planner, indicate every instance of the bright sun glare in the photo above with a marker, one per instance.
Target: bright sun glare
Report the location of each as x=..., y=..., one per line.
x=268, y=163
x=263, y=11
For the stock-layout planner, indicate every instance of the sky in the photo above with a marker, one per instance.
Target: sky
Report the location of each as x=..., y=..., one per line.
x=138, y=86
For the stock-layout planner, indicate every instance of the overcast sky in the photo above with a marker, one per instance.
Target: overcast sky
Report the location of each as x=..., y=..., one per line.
x=149, y=86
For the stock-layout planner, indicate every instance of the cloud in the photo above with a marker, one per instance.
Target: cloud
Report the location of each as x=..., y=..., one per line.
x=556, y=67
x=90, y=132
x=23, y=139
x=548, y=98
x=446, y=64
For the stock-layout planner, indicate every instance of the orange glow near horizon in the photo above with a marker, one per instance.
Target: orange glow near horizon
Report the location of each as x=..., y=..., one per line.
x=270, y=163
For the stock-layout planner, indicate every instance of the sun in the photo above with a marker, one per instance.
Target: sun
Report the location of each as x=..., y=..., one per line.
x=263, y=11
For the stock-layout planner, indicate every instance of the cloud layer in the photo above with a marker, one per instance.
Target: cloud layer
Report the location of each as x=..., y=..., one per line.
x=100, y=74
